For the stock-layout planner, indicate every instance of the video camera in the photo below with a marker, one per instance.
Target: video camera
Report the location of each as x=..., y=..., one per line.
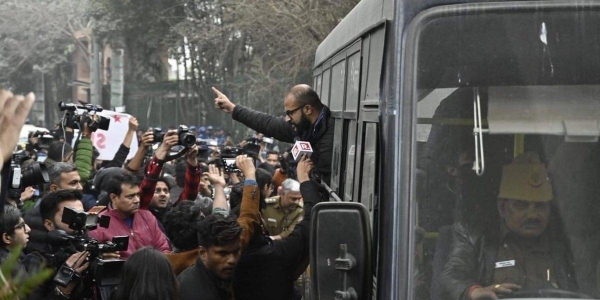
x=101, y=272
x=252, y=147
x=20, y=178
x=186, y=139
x=73, y=119
x=45, y=138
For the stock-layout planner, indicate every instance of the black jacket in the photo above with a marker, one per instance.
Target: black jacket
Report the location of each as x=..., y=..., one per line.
x=197, y=282
x=269, y=270
x=321, y=140
x=472, y=262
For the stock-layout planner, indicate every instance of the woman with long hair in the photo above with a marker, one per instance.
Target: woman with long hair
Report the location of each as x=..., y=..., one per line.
x=147, y=275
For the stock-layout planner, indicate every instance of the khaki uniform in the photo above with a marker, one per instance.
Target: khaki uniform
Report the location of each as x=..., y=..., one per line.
x=278, y=222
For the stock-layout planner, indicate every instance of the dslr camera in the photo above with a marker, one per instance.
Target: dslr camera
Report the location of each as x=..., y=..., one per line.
x=74, y=119
x=186, y=139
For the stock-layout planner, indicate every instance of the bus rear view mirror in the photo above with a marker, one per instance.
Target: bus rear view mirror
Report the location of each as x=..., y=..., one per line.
x=340, y=251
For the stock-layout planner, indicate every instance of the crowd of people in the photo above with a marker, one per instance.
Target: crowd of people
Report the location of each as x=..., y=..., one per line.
x=210, y=220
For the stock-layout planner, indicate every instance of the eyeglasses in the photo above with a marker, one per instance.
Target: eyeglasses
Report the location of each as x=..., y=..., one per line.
x=290, y=112
x=20, y=225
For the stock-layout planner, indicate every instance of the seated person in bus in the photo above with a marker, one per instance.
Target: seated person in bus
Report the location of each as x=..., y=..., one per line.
x=526, y=251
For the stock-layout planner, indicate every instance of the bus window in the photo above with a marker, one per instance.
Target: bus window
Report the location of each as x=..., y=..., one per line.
x=350, y=159
x=353, y=82
x=319, y=80
x=338, y=78
x=325, y=90
x=529, y=223
x=369, y=164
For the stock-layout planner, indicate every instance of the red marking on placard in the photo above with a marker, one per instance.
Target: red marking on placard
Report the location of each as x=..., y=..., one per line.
x=100, y=140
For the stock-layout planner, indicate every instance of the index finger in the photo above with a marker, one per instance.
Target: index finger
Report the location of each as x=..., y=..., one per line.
x=23, y=110
x=511, y=286
x=4, y=95
x=214, y=89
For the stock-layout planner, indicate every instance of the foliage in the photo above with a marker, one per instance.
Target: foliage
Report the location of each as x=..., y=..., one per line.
x=18, y=286
x=253, y=50
x=36, y=37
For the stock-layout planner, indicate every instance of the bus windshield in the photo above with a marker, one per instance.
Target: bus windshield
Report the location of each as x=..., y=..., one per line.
x=507, y=156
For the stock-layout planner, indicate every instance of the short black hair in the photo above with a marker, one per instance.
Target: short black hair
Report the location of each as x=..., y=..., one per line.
x=168, y=180
x=113, y=186
x=8, y=220
x=236, y=194
x=267, y=167
x=263, y=177
x=218, y=230
x=50, y=202
x=272, y=152
x=55, y=150
x=181, y=225
x=305, y=95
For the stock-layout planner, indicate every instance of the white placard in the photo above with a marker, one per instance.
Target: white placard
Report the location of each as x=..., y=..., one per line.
x=108, y=142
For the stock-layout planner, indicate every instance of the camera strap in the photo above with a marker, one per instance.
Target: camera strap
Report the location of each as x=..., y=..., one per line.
x=178, y=155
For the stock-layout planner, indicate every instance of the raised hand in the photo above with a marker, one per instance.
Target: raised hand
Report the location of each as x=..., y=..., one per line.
x=192, y=156
x=222, y=102
x=246, y=165
x=13, y=112
x=133, y=124
x=171, y=139
x=147, y=139
x=215, y=176
x=304, y=167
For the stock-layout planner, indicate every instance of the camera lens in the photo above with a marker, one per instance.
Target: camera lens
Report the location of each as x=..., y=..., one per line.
x=158, y=136
x=187, y=140
x=34, y=174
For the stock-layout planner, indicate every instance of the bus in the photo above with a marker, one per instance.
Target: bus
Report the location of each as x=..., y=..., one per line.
x=432, y=100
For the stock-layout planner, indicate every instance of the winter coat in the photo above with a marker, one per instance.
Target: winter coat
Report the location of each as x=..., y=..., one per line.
x=144, y=232
x=320, y=136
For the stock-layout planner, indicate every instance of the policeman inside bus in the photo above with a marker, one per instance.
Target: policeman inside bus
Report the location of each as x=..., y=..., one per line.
x=527, y=251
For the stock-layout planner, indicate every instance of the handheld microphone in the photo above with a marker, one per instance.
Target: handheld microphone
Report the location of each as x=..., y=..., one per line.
x=300, y=149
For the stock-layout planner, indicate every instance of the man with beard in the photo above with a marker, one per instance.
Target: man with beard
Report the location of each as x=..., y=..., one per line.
x=526, y=252
x=306, y=119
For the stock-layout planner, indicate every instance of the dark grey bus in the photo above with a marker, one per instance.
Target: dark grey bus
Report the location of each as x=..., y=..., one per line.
x=435, y=103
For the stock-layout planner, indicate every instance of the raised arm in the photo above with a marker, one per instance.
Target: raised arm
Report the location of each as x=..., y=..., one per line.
x=155, y=168
x=84, y=152
x=136, y=162
x=216, y=178
x=13, y=112
x=268, y=124
x=249, y=217
x=191, y=184
x=121, y=155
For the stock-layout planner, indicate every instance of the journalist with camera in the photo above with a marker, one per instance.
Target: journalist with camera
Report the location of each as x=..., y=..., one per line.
x=74, y=119
x=67, y=249
x=21, y=176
